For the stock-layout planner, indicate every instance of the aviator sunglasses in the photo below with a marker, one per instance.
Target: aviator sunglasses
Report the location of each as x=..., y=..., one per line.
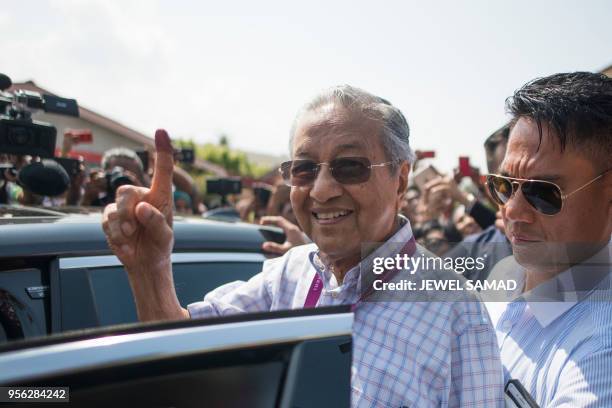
x=345, y=170
x=544, y=196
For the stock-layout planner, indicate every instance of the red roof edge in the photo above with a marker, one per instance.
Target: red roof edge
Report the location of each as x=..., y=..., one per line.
x=93, y=117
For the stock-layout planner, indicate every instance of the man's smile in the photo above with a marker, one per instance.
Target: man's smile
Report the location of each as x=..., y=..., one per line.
x=330, y=216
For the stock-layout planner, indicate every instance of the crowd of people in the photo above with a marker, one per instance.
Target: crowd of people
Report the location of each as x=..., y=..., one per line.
x=443, y=211
x=91, y=186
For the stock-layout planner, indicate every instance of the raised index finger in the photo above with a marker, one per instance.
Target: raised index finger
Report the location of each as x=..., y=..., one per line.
x=161, y=186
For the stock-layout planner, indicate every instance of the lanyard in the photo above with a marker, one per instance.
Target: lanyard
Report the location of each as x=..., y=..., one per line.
x=316, y=287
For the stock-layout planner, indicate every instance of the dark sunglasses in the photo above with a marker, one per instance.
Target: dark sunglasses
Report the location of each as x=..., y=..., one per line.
x=345, y=170
x=545, y=196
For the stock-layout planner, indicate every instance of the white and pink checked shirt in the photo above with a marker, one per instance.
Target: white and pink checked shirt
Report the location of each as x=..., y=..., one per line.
x=405, y=354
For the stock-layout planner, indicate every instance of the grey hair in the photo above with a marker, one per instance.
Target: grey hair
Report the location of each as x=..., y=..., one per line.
x=395, y=129
x=122, y=152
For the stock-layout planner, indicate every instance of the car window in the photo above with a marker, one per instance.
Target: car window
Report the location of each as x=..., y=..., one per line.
x=112, y=301
x=22, y=304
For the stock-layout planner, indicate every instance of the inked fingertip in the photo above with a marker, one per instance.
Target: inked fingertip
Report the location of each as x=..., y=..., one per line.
x=162, y=141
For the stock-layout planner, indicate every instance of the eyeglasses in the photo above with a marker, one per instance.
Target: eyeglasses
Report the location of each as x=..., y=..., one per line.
x=545, y=196
x=345, y=170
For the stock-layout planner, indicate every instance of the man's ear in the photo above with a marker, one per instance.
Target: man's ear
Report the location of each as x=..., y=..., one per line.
x=404, y=172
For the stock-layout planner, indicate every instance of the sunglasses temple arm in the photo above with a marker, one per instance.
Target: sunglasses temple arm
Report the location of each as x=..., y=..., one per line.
x=586, y=185
x=381, y=164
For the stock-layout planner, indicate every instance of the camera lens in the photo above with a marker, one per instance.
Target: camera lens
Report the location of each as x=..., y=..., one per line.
x=19, y=136
x=116, y=178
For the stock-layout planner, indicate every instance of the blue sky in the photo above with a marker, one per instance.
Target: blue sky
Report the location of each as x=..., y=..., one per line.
x=200, y=68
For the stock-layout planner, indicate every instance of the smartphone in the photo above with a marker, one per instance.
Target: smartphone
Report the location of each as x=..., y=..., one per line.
x=517, y=396
x=262, y=194
x=464, y=166
x=273, y=234
x=424, y=176
x=82, y=135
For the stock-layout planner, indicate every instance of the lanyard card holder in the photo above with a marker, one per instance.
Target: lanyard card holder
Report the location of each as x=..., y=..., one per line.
x=516, y=396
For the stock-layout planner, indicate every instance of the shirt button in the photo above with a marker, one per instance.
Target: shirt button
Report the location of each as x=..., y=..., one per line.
x=334, y=294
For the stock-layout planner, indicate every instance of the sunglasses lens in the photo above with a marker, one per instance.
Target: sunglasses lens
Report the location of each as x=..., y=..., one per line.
x=544, y=197
x=500, y=189
x=299, y=172
x=350, y=170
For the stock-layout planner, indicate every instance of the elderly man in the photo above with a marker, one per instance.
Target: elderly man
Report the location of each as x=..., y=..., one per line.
x=555, y=193
x=351, y=160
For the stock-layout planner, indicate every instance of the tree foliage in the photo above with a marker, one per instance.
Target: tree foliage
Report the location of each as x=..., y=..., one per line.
x=234, y=161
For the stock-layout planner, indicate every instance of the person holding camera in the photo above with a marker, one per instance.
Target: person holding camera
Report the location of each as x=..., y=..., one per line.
x=120, y=166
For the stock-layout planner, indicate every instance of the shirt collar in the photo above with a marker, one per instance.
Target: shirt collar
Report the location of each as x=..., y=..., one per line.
x=389, y=248
x=551, y=299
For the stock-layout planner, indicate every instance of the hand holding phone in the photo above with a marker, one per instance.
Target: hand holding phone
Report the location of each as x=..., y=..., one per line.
x=424, y=176
x=465, y=170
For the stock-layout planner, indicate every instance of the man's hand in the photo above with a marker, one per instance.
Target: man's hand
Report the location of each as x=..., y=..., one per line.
x=439, y=195
x=445, y=187
x=294, y=236
x=94, y=186
x=138, y=227
x=69, y=141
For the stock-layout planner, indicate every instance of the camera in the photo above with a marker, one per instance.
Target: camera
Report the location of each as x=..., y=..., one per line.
x=19, y=133
x=183, y=155
x=115, y=179
x=262, y=193
x=224, y=186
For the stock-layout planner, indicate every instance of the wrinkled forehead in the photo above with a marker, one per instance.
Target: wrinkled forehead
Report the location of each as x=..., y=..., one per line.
x=528, y=151
x=530, y=156
x=332, y=126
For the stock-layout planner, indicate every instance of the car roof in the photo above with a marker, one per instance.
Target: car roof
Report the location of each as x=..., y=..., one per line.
x=31, y=231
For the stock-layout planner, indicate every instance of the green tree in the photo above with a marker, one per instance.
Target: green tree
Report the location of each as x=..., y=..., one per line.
x=235, y=162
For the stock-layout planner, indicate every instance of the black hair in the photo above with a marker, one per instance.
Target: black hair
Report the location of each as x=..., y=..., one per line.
x=577, y=106
x=496, y=138
x=421, y=230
